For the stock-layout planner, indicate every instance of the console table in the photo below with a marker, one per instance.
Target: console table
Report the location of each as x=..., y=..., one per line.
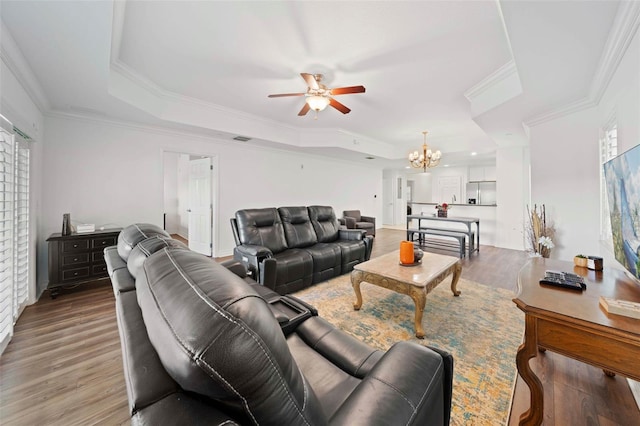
x=573, y=324
x=78, y=258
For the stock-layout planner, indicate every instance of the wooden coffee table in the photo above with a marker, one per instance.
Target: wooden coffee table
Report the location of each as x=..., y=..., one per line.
x=414, y=281
x=573, y=323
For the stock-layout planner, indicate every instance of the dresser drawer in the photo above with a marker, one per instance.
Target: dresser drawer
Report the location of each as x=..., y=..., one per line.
x=74, y=259
x=74, y=274
x=103, y=242
x=99, y=270
x=78, y=258
x=75, y=245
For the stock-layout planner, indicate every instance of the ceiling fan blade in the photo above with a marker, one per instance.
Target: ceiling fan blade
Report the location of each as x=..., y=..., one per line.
x=337, y=105
x=280, y=95
x=311, y=80
x=346, y=90
x=305, y=109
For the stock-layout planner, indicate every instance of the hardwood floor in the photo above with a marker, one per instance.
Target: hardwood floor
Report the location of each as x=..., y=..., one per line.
x=63, y=365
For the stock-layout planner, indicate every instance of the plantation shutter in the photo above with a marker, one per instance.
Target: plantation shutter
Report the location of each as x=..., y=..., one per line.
x=21, y=227
x=14, y=227
x=6, y=231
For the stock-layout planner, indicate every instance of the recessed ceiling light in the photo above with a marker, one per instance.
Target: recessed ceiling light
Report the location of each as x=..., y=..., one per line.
x=474, y=153
x=370, y=158
x=407, y=167
x=241, y=138
x=446, y=165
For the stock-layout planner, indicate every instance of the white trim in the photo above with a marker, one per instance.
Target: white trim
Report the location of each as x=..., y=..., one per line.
x=12, y=56
x=502, y=73
x=625, y=26
x=570, y=108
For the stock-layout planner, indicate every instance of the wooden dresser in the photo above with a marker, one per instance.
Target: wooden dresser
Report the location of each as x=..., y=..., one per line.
x=78, y=258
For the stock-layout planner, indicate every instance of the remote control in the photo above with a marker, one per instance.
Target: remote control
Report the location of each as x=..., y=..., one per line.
x=564, y=280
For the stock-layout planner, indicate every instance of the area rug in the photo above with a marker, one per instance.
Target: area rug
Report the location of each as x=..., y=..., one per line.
x=482, y=329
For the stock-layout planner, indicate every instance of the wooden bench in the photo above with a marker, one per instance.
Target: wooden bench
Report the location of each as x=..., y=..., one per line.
x=470, y=234
x=440, y=243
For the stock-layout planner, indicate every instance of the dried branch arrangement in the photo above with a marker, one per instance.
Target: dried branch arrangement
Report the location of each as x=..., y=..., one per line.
x=539, y=233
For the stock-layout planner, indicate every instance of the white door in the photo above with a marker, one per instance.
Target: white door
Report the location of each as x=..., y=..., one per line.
x=200, y=208
x=387, y=200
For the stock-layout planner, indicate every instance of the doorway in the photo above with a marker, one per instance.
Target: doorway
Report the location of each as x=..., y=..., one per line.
x=190, y=199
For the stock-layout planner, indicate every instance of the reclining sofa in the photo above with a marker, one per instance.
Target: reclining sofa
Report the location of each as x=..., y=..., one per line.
x=203, y=344
x=306, y=245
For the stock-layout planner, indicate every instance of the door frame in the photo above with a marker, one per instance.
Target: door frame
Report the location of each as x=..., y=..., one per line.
x=215, y=192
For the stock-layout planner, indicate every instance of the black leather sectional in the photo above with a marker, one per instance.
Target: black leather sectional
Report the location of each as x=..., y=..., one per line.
x=204, y=344
x=305, y=245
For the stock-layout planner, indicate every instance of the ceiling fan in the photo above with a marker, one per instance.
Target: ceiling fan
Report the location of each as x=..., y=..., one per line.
x=318, y=96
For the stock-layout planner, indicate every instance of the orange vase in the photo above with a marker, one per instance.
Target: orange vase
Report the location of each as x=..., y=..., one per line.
x=406, y=252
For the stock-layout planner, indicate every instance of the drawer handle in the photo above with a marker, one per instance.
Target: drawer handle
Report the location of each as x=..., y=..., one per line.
x=104, y=242
x=75, y=260
x=75, y=273
x=75, y=246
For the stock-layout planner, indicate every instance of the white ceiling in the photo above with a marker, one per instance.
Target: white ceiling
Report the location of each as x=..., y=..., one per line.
x=208, y=66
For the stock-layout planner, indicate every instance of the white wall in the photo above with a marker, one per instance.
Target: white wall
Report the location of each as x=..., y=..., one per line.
x=512, y=195
x=183, y=195
x=111, y=173
x=565, y=177
x=18, y=107
x=565, y=165
x=422, y=187
x=622, y=98
x=170, y=171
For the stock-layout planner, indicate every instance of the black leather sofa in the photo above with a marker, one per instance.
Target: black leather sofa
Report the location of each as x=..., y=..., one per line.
x=306, y=245
x=203, y=344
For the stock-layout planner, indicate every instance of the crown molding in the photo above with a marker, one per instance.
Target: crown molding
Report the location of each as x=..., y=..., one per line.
x=12, y=56
x=624, y=29
x=625, y=26
x=167, y=96
x=502, y=73
x=570, y=108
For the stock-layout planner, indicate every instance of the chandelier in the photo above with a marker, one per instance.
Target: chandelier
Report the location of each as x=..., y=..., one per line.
x=425, y=160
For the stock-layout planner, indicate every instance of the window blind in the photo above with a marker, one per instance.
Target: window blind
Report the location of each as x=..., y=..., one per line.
x=21, y=227
x=14, y=227
x=608, y=150
x=6, y=231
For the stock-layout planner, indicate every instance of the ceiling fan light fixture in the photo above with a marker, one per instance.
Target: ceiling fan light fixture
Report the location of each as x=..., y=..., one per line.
x=317, y=103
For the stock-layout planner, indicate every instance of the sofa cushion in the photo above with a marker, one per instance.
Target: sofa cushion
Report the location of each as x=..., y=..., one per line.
x=294, y=270
x=352, y=213
x=149, y=381
x=261, y=227
x=130, y=236
x=227, y=345
x=297, y=227
x=324, y=222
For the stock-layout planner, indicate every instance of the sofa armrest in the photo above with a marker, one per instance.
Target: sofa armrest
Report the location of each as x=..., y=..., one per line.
x=351, y=234
x=370, y=219
x=350, y=222
x=251, y=255
x=405, y=387
x=267, y=273
x=349, y=354
x=235, y=266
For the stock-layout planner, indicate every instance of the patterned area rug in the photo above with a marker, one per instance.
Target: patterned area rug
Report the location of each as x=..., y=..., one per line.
x=482, y=329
